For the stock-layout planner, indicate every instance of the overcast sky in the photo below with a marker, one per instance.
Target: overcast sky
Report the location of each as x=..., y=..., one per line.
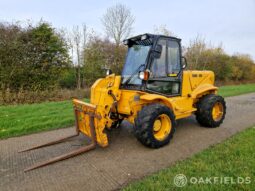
x=230, y=22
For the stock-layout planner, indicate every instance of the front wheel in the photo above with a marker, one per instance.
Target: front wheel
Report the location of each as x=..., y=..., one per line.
x=211, y=110
x=154, y=125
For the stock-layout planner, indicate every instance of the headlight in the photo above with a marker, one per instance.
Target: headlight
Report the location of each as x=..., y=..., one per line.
x=141, y=75
x=144, y=75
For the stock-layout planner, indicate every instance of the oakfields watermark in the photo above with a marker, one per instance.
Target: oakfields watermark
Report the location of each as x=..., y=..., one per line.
x=180, y=180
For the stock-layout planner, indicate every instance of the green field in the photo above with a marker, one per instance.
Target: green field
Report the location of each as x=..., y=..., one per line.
x=227, y=91
x=25, y=119
x=233, y=158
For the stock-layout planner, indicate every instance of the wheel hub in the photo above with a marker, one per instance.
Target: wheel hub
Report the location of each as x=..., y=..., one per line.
x=162, y=127
x=157, y=125
x=217, y=111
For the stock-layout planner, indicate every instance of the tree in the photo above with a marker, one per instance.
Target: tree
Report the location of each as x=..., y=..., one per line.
x=243, y=67
x=162, y=29
x=118, y=22
x=204, y=56
x=47, y=56
x=79, y=39
x=194, y=50
x=31, y=58
x=101, y=53
x=11, y=51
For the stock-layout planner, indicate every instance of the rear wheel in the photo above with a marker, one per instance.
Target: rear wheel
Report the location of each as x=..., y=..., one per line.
x=211, y=110
x=154, y=125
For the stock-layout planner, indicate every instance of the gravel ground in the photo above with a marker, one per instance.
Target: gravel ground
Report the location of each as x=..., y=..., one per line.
x=125, y=160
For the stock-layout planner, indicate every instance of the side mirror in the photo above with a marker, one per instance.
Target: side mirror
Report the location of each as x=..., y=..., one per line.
x=157, y=51
x=184, y=62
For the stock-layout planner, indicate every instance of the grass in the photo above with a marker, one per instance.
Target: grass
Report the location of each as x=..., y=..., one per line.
x=232, y=158
x=227, y=91
x=25, y=119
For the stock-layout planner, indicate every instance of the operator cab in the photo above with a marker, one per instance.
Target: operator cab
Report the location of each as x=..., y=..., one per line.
x=153, y=64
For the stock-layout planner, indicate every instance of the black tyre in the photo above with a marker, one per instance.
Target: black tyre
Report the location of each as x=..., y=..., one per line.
x=211, y=110
x=155, y=125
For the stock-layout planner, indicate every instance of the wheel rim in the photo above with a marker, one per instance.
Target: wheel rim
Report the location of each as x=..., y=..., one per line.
x=162, y=127
x=217, y=111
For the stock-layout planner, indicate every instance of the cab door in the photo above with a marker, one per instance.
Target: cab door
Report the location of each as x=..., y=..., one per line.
x=165, y=71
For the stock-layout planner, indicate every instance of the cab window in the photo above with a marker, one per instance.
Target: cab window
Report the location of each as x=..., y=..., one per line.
x=173, y=55
x=158, y=67
x=169, y=62
x=164, y=76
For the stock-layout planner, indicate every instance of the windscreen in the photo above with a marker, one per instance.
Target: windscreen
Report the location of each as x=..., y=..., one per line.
x=135, y=60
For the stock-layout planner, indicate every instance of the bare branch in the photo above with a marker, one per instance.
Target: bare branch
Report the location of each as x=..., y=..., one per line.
x=118, y=22
x=162, y=29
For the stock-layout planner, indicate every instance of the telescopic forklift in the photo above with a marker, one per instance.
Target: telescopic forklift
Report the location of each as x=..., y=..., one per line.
x=153, y=91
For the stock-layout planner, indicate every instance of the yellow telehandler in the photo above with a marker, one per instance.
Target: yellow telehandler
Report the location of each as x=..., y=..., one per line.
x=153, y=91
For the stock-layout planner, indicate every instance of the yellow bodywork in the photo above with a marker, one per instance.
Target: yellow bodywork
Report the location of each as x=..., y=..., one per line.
x=194, y=85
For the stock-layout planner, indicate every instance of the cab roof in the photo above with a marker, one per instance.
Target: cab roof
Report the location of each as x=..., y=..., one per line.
x=151, y=36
